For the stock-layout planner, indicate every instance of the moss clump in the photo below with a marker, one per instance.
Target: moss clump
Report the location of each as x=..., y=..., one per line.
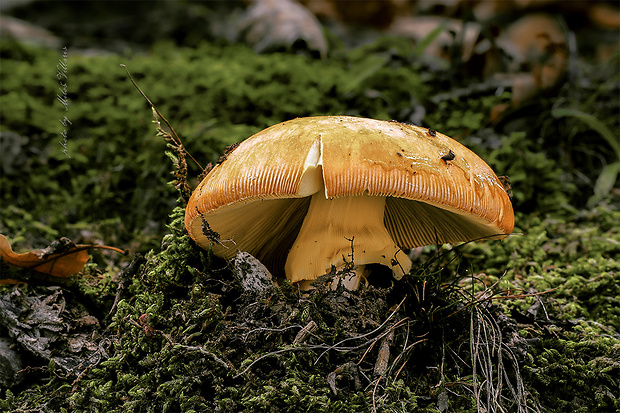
x=184, y=337
x=573, y=257
x=575, y=369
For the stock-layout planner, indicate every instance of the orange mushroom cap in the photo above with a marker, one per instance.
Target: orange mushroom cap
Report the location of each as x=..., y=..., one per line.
x=310, y=193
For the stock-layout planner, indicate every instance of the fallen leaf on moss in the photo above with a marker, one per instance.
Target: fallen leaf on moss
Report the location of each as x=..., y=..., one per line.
x=435, y=35
x=62, y=258
x=271, y=24
x=605, y=16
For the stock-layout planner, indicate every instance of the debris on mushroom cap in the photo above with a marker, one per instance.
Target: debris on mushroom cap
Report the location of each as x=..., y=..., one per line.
x=448, y=157
x=312, y=193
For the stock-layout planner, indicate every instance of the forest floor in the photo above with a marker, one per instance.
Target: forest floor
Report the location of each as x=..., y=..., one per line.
x=530, y=323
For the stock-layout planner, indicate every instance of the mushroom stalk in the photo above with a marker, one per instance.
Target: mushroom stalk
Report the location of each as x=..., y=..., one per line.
x=340, y=230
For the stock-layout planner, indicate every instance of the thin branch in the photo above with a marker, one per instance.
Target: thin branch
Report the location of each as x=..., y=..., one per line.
x=367, y=334
x=174, y=134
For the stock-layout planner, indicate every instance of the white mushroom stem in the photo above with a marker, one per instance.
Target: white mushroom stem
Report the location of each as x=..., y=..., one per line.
x=340, y=230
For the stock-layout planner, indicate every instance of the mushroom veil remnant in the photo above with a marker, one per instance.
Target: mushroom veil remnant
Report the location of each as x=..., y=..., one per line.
x=312, y=193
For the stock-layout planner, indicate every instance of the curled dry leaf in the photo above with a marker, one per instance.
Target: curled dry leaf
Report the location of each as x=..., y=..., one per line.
x=418, y=28
x=28, y=33
x=605, y=16
x=376, y=13
x=538, y=54
x=537, y=44
x=271, y=24
x=62, y=258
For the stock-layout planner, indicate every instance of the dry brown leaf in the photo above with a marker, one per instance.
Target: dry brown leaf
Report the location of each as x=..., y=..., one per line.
x=61, y=259
x=10, y=281
x=533, y=39
x=271, y=24
x=605, y=15
x=417, y=28
x=375, y=13
x=539, y=56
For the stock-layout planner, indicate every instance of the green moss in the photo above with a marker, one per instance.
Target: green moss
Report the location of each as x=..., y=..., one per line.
x=575, y=372
x=117, y=169
x=184, y=338
x=463, y=115
x=574, y=256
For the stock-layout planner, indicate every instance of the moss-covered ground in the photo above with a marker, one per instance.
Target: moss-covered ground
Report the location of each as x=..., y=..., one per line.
x=531, y=323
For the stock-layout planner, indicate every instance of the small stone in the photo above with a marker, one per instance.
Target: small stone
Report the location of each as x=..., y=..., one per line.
x=255, y=278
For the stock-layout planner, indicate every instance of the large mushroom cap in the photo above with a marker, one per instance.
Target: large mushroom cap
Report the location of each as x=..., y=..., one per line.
x=314, y=192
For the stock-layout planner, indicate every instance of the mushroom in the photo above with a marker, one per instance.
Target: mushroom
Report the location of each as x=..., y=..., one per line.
x=312, y=193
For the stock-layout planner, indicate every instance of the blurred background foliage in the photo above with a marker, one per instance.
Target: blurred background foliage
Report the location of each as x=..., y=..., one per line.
x=216, y=92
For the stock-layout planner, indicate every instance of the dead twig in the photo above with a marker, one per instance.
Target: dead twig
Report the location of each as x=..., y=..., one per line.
x=366, y=334
x=270, y=330
x=126, y=274
x=350, y=370
x=180, y=173
x=151, y=332
x=383, y=357
x=304, y=332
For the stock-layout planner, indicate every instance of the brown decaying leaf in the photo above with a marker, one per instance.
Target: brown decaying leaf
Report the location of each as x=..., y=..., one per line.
x=416, y=28
x=270, y=24
x=51, y=261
